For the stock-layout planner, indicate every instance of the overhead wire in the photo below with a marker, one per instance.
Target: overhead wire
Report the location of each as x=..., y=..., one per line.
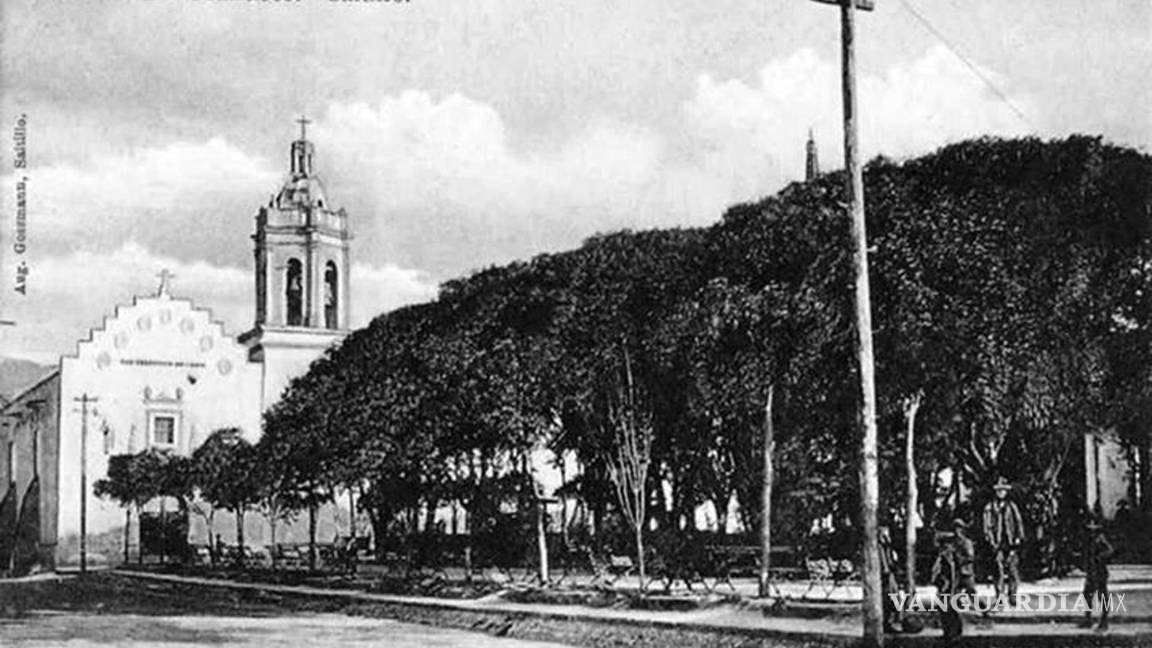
x=927, y=24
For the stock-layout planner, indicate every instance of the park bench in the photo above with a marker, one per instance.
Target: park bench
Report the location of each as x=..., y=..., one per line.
x=829, y=574
x=571, y=560
x=349, y=552
x=670, y=569
x=201, y=555
x=286, y=555
x=733, y=561
x=607, y=572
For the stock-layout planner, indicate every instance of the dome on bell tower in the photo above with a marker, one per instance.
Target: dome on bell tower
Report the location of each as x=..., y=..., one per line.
x=302, y=188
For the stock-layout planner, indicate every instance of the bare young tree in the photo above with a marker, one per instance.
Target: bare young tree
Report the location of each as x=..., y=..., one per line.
x=911, y=407
x=766, y=498
x=628, y=457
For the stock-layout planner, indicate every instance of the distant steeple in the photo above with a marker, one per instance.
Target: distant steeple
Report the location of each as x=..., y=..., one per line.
x=812, y=165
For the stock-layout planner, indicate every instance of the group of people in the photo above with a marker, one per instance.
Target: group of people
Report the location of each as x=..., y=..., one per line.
x=954, y=570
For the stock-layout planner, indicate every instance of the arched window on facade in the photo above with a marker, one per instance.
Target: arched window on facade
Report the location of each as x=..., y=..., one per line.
x=294, y=293
x=331, y=295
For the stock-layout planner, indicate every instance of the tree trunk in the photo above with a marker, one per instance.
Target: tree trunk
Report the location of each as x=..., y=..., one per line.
x=379, y=521
x=139, y=538
x=766, y=499
x=272, y=538
x=911, y=407
x=542, y=541
x=312, y=536
x=352, y=515
x=213, y=544
x=127, y=525
x=563, y=503
x=640, y=555
x=163, y=531
x=240, y=536
x=430, y=517
x=663, y=506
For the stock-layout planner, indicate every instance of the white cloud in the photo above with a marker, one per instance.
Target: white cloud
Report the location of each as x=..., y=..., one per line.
x=910, y=110
x=379, y=289
x=70, y=294
x=193, y=200
x=436, y=187
x=451, y=191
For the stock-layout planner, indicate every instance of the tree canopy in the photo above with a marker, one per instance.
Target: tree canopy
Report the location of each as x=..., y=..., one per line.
x=1010, y=281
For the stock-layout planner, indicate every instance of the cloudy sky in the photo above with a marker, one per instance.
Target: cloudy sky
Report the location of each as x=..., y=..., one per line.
x=463, y=134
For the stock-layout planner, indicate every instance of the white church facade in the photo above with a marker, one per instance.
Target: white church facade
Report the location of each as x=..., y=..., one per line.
x=162, y=373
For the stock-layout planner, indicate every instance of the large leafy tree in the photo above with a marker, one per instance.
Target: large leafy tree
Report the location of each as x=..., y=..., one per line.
x=223, y=469
x=1010, y=280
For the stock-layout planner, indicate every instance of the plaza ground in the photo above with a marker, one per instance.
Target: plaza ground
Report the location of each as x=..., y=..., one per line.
x=43, y=630
x=123, y=609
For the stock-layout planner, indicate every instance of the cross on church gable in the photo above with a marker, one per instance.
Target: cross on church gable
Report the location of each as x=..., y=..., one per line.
x=165, y=277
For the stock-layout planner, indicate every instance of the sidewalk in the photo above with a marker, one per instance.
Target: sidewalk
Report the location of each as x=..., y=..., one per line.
x=744, y=618
x=1123, y=579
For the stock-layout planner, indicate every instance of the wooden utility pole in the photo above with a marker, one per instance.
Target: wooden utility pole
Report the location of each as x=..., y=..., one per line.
x=84, y=400
x=869, y=472
x=766, y=499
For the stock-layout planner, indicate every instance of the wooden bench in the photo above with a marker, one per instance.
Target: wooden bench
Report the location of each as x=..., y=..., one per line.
x=674, y=568
x=829, y=574
x=733, y=561
x=607, y=572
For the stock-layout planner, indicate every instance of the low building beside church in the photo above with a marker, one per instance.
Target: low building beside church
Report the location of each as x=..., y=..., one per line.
x=162, y=373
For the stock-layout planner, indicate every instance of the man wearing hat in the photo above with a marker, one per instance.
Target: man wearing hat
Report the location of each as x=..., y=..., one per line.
x=1004, y=531
x=1097, y=551
x=946, y=578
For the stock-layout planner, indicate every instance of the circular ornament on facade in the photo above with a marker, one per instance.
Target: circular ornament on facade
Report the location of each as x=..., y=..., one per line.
x=121, y=340
x=224, y=366
x=206, y=343
x=165, y=316
x=187, y=326
x=103, y=360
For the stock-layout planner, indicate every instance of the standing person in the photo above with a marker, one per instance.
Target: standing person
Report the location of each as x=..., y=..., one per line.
x=945, y=576
x=1097, y=551
x=888, y=583
x=965, y=558
x=1004, y=532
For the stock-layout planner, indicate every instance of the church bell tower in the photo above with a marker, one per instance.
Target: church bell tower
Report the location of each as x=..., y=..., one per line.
x=301, y=271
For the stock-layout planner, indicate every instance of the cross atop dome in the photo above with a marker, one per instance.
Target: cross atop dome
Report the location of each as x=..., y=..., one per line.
x=302, y=151
x=303, y=121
